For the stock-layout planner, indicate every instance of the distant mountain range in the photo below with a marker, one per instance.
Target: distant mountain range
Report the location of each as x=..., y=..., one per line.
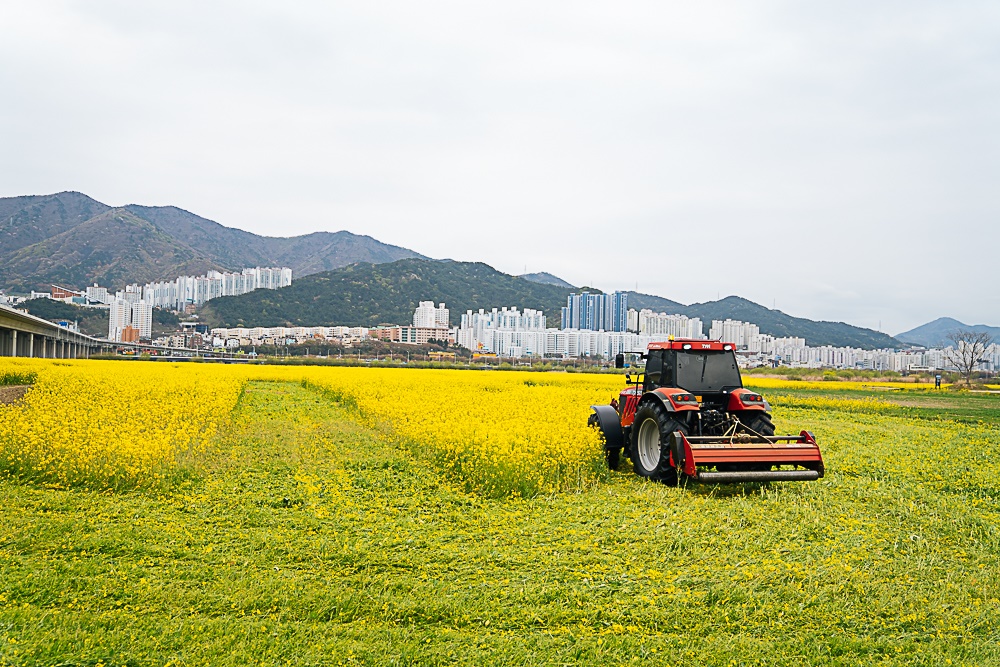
x=935, y=334
x=72, y=240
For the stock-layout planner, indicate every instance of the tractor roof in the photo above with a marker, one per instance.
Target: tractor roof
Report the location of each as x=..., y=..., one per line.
x=691, y=344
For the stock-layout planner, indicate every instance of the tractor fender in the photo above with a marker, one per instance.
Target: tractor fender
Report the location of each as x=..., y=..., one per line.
x=608, y=421
x=663, y=395
x=737, y=402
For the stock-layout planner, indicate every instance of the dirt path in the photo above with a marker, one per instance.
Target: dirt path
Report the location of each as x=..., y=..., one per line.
x=13, y=393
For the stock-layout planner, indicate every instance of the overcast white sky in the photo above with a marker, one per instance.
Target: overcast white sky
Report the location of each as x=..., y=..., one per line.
x=838, y=161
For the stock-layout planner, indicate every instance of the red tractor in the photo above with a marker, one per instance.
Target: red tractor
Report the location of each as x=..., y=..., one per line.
x=688, y=417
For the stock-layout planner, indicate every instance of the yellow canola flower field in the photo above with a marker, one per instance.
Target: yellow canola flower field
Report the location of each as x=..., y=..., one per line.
x=867, y=405
x=837, y=385
x=115, y=424
x=110, y=424
x=501, y=433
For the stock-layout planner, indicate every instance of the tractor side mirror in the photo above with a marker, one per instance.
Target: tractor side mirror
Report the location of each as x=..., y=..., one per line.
x=619, y=360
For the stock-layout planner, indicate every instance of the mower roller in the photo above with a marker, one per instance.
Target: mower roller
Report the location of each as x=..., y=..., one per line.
x=689, y=417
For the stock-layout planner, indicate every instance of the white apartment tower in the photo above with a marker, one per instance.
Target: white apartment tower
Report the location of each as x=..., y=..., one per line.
x=739, y=333
x=120, y=316
x=427, y=316
x=648, y=323
x=142, y=319
x=123, y=313
x=131, y=294
x=98, y=294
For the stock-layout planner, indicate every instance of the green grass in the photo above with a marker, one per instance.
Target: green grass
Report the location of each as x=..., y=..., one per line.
x=309, y=540
x=9, y=378
x=950, y=405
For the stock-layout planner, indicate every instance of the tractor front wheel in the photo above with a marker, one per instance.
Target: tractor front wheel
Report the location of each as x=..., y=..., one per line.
x=612, y=454
x=650, y=451
x=760, y=424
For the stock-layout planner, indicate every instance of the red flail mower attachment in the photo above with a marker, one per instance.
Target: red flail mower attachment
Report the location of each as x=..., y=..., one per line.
x=743, y=458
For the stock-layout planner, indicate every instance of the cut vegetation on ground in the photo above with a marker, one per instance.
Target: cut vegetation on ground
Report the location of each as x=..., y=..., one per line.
x=309, y=529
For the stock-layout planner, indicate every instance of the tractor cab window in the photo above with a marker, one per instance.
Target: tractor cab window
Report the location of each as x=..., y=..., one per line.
x=659, y=370
x=667, y=372
x=654, y=364
x=707, y=371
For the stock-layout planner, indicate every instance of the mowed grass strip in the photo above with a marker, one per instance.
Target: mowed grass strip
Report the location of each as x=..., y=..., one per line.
x=311, y=540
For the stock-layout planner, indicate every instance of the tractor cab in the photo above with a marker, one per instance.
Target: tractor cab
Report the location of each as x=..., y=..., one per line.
x=703, y=370
x=697, y=367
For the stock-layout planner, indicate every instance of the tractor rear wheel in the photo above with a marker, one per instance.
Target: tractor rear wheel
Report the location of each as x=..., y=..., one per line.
x=650, y=451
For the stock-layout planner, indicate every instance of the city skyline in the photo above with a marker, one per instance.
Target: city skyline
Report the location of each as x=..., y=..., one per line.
x=512, y=333
x=585, y=311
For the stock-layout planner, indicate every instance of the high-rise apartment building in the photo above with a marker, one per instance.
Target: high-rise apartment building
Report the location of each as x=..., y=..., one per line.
x=733, y=331
x=124, y=313
x=97, y=294
x=596, y=312
x=120, y=316
x=648, y=323
x=503, y=331
x=142, y=319
x=427, y=316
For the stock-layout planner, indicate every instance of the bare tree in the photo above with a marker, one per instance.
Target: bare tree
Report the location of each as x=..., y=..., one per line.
x=969, y=348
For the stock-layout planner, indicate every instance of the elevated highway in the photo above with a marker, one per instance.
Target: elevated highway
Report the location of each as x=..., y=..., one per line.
x=24, y=335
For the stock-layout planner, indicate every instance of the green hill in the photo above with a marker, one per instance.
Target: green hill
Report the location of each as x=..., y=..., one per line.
x=28, y=220
x=235, y=248
x=371, y=294
x=115, y=247
x=546, y=279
